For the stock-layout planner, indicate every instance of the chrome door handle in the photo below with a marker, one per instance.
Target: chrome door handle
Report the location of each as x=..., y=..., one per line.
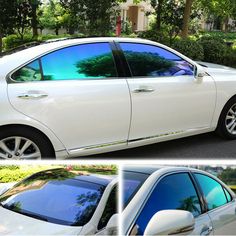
x=144, y=90
x=32, y=96
x=207, y=231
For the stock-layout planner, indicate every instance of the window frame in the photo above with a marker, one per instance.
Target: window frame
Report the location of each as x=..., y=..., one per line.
x=115, y=56
x=127, y=66
x=224, y=188
x=117, y=191
x=202, y=204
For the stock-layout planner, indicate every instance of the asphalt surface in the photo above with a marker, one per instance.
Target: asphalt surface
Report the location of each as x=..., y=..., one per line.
x=196, y=147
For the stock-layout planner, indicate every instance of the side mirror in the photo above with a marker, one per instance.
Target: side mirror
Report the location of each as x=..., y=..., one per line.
x=112, y=225
x=170, y=222
x=199, y=73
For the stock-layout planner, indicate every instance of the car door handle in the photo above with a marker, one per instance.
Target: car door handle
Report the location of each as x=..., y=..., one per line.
x=207, y=231
x=144, y=90
x=33, y=95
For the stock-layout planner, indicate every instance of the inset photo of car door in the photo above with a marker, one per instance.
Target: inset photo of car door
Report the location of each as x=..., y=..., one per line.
x=58, y=200
x=170, y=200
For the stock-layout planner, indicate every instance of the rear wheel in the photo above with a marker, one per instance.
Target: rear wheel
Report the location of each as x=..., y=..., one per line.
x=227, y=122
x=24, y=144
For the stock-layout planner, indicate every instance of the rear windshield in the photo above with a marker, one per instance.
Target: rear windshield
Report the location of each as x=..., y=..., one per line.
x=132, y=181
x=55, y=197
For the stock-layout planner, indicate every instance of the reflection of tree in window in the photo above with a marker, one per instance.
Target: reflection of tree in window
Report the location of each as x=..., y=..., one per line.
x=190, y=204
x=147, y=63
x=98, y=66
x=30, y=72
x=87, y=203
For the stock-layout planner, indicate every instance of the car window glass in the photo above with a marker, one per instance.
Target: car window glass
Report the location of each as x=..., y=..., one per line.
x=87, y=61
x=153, y=61
x=212, y=191
x=30, y=72
x=110, y=209
x=58, y=196
x=175, y=191
x=132, y=182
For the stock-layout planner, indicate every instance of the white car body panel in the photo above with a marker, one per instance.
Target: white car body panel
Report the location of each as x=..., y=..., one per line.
x=103, y=117
x=202, y=222
x=80, y=113
x=178, y=104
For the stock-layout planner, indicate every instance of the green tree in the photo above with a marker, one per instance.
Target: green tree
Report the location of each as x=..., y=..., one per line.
x=92, y=17
x=52, y=16
x=7, y=18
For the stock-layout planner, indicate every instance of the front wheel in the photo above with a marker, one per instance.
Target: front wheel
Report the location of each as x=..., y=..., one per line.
x=227, y=122
x=18, y=144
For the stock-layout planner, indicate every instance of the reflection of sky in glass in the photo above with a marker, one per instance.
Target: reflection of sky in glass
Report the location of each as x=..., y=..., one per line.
x=59, y=200
x=61, y=65
x=212, y=190
x=129, y=188
x=148, y=48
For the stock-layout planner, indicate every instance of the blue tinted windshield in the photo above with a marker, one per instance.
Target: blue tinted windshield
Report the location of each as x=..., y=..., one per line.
x=56, y=197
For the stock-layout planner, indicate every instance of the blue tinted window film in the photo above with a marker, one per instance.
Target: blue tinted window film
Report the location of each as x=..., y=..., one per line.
x=54, y=197
x=153, y=61
x=87, y=61
x=132, y=181
x=172, y=192
x=212, y=190
x=228, y=196
x=30, y=72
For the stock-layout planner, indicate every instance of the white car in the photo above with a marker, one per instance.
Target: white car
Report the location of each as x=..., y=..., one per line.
x=176, y=200
x=60, y=202
x=93, y=95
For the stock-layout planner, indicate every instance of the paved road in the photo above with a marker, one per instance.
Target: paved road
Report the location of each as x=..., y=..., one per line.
x=201, y=146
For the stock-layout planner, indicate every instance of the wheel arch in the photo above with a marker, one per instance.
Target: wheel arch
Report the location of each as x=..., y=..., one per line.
x=30, y=128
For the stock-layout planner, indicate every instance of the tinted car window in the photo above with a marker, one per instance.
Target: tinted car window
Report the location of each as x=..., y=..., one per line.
x=212, y=190
x=93, y=60
x=55, y=196
x=172, y=192
x=86, y=61
x=153, y=61
x=110, y=209
x=30, y=72
x=228, y=196
x=132, y=181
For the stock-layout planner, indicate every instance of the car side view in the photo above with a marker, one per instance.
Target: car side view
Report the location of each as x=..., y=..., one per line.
x=176, y=201
x=92, y=95
x=60, y=202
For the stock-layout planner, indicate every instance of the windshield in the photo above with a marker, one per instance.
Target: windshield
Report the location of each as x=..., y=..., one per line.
x=132, y=181
x=55, y=196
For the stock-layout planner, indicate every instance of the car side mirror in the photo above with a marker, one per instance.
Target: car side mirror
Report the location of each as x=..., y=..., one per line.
x=112, y=225
x=199, y=73
x=170, y=222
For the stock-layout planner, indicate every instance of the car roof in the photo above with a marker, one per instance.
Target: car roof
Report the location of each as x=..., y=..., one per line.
x=150, y=169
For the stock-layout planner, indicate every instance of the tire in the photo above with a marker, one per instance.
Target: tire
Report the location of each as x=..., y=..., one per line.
x=226, y=127
x=23, y=143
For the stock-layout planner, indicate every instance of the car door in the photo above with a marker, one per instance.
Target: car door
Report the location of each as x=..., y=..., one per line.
x=220, y=203
x=166, y=98
x=75, y=92
x=173, y=191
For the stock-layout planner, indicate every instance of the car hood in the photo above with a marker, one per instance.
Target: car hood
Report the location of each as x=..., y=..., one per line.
x=12, y=223
x=215, y=68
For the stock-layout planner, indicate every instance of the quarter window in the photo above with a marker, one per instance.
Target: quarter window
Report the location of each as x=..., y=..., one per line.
x=153, y=61
x=86, y=61
x=30, y=72
x=172, y=192
x=212, y=190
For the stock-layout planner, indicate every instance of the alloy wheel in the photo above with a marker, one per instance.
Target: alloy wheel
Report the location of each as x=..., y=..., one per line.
x=230, y=120
x=18, y=148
